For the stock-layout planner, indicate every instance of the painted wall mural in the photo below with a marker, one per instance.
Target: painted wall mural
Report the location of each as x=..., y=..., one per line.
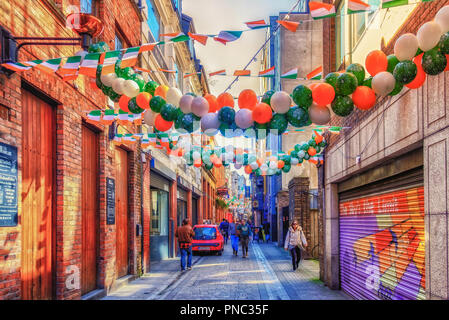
x=382, y=252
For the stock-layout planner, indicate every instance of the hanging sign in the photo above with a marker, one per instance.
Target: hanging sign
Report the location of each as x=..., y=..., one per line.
x=110, y=201
x=8, y=185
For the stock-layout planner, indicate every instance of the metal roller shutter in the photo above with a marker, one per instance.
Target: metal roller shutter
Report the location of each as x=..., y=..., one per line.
x=382, y=238
x=159, y=182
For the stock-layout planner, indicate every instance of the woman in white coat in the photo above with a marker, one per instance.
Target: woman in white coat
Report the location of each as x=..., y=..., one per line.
x=294, y=242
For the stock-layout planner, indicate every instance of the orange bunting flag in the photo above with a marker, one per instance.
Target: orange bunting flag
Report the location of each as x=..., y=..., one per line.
x=290, y=25
x=218, y=73
x=242, y=73
x=147, y=47
x=199, y=37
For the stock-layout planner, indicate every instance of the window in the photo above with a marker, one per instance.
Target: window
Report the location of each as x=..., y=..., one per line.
x=88, y=6
x=358, y=26
x=182, y=211
x=159, y=212
x=154, y=21
x=118, y=42
x=340, y=35
x=205, y=233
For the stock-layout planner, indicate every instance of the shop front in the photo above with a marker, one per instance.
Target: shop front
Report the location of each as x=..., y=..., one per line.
x=159, y=222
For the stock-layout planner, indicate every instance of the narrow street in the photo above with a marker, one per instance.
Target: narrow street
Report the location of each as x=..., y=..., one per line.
x=265, y=275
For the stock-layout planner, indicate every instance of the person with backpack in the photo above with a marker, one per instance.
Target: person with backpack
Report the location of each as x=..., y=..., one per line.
x=295, y=241
x=245, y=232
x=224, y=226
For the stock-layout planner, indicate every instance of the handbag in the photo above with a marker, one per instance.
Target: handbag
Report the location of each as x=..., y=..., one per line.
x=303, y=242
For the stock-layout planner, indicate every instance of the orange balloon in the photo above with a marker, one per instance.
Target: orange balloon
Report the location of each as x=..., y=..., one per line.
x=376, y=61
x=197, y=163
x=247, y=99
x=225, y=100
x=248, y=169
x=218, y=163
x=289, y=152
x=262, y=113
x=143, y=100
x=259, y=162
x=123, y=103
x=162, y=125
x=323, y=94
x=420, y=75
x=447, y=65
x=180, y=152
x=313, y=85
x=213, y=103
x=281, y=164
x=311, y=151
x=364, y=97
x=161, y=91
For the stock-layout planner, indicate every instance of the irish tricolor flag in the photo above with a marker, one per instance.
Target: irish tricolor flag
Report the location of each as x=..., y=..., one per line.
x=199, y=37
x=315, y=74
x=129, y=58
x=122, y=118
x=290, y=25
x=49, y=66
x=355, y=6
x=94, y=116
x=320, y=10
x=108, y=117
x=89, y=65
x=292, y=74
x=218, y=73
x=147, y=47
x=16, y=66
x=393, y=3
x=228, y=36
x=176, y=37
x=110, y=58
x=267, y=73
x=71, y=66
x=242, y=73
x=259, y=24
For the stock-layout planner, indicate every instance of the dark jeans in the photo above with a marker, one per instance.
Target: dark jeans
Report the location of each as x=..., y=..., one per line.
x=186, y=253
x=244, y=241
x=225, y=236
x=296, y=256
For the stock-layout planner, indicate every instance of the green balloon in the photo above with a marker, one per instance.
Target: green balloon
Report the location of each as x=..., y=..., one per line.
x=178, y=121
x=346, y=84
x=392, y=62
x=298, y=117
x=278, y=124
x=209, y=166
x=191, y=94
x=306, y=156
x=266, y=98
x=94, y=48
x=367, y=82
x=405, y=71
x=294, y=154
x=397, y=88
x=286, y=158
x=133, y=107
x=444, y=43
x=357, y=70
x=286, y=168
x=418, y=52
x=258, y=172
x=156, y=104
x=433, y=62
x=331, y=78
x=302, y=96
x=187, y=122
x=311, y=143
x=305, y=146
x=168, y=112
x=114, y=96
x=138, y=78
x=297, y=147
x=342, y=106
x=150, y=87
x=126, y=73
x=226, y=115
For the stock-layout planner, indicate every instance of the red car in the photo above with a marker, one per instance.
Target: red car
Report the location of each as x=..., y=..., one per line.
x=207, y=239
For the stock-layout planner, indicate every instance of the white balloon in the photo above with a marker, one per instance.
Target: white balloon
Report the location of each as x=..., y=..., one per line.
x=149, y=117
x=118, y=85
x=294, y=161
x=264, y=167
x=406, y=46
x=173, y=96
x=131, y=88
x=108, y=79
x=383, y=83
x=301, y=153
x=210, y=123
x=273, y=165
x=442, y=18
x=196, y=155
x=429, y=35
x=200, y=106
x=185, y=103
x=254, y=165
x=280, y=102
x=244, y=118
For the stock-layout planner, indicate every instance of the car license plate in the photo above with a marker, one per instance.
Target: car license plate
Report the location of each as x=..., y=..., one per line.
x=204, y=248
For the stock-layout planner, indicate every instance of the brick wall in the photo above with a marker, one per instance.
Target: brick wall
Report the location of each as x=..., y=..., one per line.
x=46, y=18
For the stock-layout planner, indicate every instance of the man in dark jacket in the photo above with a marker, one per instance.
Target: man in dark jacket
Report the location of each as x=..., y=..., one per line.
x=185, y=234
x=224, y=225
x=244, y=231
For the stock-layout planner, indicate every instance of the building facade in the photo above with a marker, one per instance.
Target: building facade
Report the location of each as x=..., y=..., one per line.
x=385, y=179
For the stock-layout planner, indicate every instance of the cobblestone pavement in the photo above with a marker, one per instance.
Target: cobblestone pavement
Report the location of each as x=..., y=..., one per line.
x=266, y=274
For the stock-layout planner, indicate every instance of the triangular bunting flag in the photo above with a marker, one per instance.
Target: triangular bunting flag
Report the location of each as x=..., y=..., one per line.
x=393, y=3
x=33, y=63
x=166, y=70
x=49, y=66
x=16, y=66
x=176, y=37
x=228, y=36
x=355, y=6
x=94, y=116
x=267, y=73
x=199, y=37
x=242, y=73
x=89, y=65
x=292, y=74
x=129, y=58
x=218, y=73
x=319, y=10
x=259, y=24
x=147, y=47
x=290, y=25
x=315, y=74
x=71, y=66
x=110, y=59
x=122, y=117
x=108, y=117
x=191, y=74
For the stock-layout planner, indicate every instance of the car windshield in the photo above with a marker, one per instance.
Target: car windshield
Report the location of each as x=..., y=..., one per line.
x=205, y=234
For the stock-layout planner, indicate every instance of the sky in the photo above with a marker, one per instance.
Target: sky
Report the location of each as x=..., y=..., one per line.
x=212, y=16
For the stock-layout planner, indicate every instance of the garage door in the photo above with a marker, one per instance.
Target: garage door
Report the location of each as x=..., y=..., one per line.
x=382, y=244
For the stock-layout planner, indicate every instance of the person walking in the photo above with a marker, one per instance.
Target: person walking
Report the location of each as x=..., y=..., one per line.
x=232, y=229
x=224, y=226
x=185, y=234
x=295, y=241
x=245, y=232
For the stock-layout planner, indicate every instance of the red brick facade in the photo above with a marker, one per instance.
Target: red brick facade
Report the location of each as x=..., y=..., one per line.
x=73, y=99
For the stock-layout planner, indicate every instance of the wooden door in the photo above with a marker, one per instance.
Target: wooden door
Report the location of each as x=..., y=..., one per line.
x=38, y=197
x=89, y=209
x=121, y=207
